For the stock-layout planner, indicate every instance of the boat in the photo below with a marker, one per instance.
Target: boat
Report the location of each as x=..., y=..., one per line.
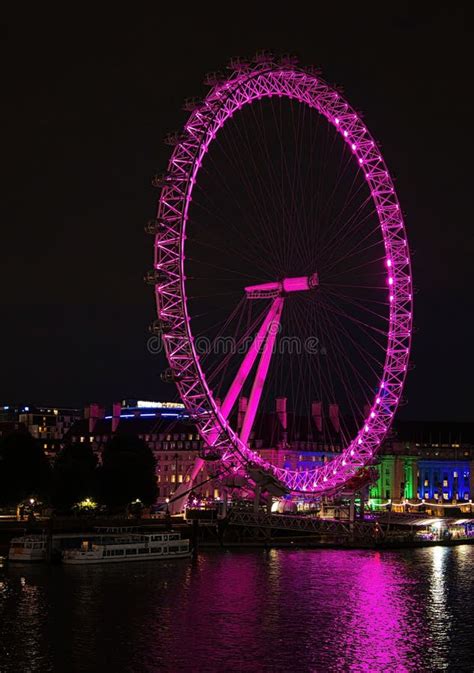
x=28, y=548
x=125, y=548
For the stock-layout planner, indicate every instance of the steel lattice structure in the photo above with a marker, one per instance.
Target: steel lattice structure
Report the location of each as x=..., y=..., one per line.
x=247, y=83
x=339, y=529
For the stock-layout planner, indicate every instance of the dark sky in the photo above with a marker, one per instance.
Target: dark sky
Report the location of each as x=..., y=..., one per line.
x=87, y=101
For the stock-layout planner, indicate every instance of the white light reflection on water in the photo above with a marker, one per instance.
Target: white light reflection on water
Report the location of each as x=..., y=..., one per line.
x=438, y=609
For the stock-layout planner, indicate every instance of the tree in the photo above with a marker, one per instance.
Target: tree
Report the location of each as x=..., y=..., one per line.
x=127, y=472
x=74, y=475
x=24, y=469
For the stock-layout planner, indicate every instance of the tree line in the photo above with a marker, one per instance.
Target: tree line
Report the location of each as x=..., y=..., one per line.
x=125, y=474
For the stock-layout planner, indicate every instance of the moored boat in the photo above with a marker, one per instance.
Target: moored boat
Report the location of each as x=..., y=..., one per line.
x=124, y=548
x=28, y=548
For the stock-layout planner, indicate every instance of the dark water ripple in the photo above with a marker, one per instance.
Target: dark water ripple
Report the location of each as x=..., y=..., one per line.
x=276, y=611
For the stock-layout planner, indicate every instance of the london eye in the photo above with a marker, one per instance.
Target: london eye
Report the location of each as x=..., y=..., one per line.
x=281, y=271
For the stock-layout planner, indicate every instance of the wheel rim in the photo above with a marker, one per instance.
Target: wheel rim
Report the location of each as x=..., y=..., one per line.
x=225, y=98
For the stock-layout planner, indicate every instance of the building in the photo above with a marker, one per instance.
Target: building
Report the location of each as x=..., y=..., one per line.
x=48, y=424
x=279, y=437
x=165, y=428
x=428, y=462
x=431, y=462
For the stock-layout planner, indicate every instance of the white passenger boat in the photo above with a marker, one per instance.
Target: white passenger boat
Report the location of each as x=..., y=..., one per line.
x=28, y=548
x=124, y=548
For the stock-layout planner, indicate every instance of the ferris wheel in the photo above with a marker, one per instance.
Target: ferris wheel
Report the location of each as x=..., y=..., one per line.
x=282, y=270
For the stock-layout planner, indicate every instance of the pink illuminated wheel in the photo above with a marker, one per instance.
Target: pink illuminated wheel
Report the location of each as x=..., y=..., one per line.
x=313, y=248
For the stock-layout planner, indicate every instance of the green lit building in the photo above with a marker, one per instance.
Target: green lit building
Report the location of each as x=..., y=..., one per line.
x=398, y=477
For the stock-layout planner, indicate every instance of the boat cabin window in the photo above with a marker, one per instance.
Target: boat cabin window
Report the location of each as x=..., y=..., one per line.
x=114, y=552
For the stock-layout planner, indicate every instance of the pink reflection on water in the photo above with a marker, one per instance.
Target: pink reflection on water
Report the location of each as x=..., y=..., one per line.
x=381, y=630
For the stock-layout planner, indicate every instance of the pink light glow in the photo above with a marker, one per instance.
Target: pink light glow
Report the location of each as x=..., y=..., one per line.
x=261, y=374
x=298, y=284
x=256, y=85
x=244, y=370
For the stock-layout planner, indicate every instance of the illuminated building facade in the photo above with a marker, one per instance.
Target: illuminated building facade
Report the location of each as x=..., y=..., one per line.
x=444, y=480
x=431, y=461
x=397, y=478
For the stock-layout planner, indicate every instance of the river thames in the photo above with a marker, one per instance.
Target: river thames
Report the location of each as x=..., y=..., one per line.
x=244, y=611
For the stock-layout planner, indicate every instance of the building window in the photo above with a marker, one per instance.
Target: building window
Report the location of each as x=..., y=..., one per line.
x=445, y=496
x=445, y=483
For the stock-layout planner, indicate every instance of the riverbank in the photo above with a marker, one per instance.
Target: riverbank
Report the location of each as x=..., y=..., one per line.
x=208, y=537
x=314, y=544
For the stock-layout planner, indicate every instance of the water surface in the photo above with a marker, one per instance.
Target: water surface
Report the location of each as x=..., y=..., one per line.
x=268, y=611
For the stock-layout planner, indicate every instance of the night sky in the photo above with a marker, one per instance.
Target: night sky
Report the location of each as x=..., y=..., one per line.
x=87, y=101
